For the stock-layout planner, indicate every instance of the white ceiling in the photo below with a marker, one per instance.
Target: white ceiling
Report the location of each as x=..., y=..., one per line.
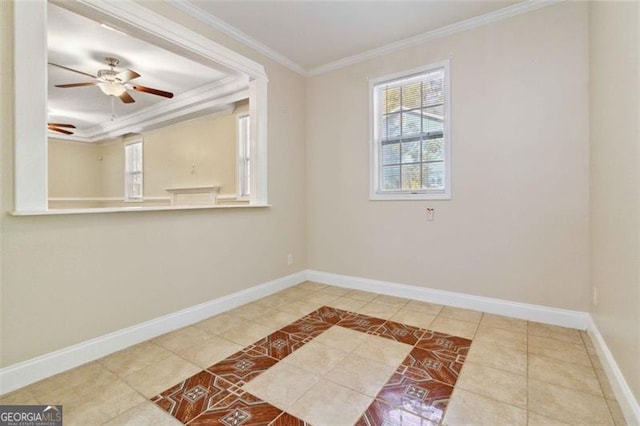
x=312, y=34
x=82, y=44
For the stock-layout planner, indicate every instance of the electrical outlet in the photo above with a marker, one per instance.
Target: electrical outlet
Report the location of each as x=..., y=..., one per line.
x=594, y=296
x=289, y=259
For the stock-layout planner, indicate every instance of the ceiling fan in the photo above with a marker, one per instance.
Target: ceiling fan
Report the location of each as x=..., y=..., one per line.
x=114, y=83
x=59, y=127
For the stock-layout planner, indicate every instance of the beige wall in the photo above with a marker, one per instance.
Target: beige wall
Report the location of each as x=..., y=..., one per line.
x=69, y=278
x=73, y=169
x=517, y=226
x=80, y=170
x=208, y=144
x=615, y=176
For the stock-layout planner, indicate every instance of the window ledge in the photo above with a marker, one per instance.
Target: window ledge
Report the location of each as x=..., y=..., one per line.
x=409, y=197
x=54, y=212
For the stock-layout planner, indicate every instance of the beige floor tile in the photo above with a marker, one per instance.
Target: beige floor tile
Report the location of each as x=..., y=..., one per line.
x=460, y=314
x=347, y=304
x=501, y=337
x=378, y=310
x=365, y=296
x=568, y=405
x=18, y=397
x=466, y=408
x=495, y=384
x=414, y=318
x=383, y=350
x=134, y=358
x=334, y=291
x=310, y=285
x=562, y=334
x=586, y=339
x=595, y=359
x=246, y=332
x=274, y=301
x=361, y=374
x=109, y=401
x=281, y=385
x=316, y=357
x=559, y=350
x=144, y=414
x=156, y=378
x=605, y=385
x=251, y=311
x=87, y=376
x=563, y=373
x=219, y=323
x=320, y=297
x=507, y=323
x=182, y=338
x=454, y=327
x=616, y=413
x=299, y=309
x=499, y=357
x=341, y=338
x=277, y=320
x=328, y=404
x=423, y=307
x=391, y=300
x=536, y=419
x=209, y=352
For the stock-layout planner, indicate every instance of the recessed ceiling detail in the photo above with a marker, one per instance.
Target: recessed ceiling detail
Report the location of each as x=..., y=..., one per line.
x=140, y=77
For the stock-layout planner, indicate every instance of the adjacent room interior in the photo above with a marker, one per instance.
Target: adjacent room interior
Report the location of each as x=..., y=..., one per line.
x=327, y=213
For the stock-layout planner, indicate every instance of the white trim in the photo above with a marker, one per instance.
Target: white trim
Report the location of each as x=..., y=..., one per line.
x=30, y=171
x=30, y=371
x=375, y=194
x=538, y=313
x=235, y=33
x=242, y=140
x=629, y=405
x=135, y=209
x=468, y=24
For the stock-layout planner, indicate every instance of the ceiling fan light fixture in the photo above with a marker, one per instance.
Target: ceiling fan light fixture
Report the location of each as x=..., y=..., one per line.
x=112, y=89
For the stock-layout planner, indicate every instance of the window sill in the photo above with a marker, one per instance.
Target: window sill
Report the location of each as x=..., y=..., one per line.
x=409, y=197
x=54, y=212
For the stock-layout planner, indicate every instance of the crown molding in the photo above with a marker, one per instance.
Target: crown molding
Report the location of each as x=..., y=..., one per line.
x=210, y=98
x=468, y=24
x=217, y=23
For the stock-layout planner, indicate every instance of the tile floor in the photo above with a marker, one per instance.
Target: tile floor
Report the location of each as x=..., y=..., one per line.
x=326, y=356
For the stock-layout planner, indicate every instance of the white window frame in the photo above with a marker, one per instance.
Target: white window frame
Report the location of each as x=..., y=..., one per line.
x=128, y=173
x=243, y=163
x=427, y=194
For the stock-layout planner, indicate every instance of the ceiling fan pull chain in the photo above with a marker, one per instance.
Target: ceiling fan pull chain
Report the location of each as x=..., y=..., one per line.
x=113, y=108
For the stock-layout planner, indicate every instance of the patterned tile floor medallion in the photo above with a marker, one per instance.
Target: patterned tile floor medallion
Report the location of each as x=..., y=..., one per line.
x=416, y=394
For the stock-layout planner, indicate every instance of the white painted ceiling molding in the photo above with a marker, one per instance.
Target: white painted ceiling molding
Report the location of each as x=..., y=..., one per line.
x=214, y=97
x=468, y=24
x=236, y=34
x=233, y=32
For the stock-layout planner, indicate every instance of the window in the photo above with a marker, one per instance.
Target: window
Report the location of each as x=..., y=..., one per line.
x=244, y=157
x=133, y=171
x=411, y=136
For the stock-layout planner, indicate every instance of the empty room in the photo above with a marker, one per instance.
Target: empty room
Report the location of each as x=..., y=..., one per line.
x=327, y=213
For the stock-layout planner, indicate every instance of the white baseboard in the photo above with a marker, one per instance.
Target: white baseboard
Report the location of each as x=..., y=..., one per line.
x=544, y=314
x=629, y=405
x=30, y=371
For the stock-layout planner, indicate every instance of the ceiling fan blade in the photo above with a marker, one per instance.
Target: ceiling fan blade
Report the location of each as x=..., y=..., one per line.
x=61, y=125
x=127, y=75
x=153, y=91
x=55, y=129
x=126, y=98
x=64, y=86
x=71, y=69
